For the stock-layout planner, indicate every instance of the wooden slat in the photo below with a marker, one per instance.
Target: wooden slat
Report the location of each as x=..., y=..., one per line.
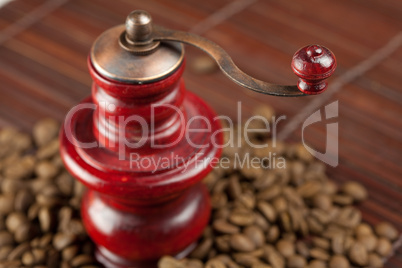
x=43, y=73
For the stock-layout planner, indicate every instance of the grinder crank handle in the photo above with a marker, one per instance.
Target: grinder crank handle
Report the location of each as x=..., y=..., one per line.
x=312, y=64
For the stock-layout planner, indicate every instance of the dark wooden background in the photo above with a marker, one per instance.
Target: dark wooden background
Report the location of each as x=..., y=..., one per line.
x=44, y=44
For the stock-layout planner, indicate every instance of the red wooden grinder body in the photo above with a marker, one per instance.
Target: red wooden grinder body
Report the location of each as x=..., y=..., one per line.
x=132, y=144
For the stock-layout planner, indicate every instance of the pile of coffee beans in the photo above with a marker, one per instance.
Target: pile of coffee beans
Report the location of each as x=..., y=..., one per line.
x=40, y=223
x=292, y=216
x=280, y=217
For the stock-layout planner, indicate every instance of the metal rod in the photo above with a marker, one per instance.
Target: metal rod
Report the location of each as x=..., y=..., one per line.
x=226, y=63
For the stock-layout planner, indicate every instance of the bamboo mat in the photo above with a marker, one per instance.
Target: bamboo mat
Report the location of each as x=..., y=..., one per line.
x=44, y=45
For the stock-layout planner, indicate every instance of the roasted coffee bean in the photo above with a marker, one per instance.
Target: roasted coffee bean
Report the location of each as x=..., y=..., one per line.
x=374, y=261
x=37, y=185
x=15, y=220
x=39, y=255
x=261, y=265
x=296, y=261
x=349, y=217
x=53, y=258
x=212, y=253
x=349, y=241
x=257, y=252
x=222, y=213
x=234, y=188
x=63, y=240
x=17, y=252
x=65, y=216
x=309, y=189
x=285, y=247
x=386, y=230
x=11, y=185
x=273, y=234
x=255, y=234
x=240, y=242
x=292, y=197
x=48, y=150
x=225, y=259
x=6, y=238
x=302, y=249
x=222, y=243
x=270, y=193
x=33, y=211
x=208, y=232
x=242, y=217
x=49, y=196
x=363, y=229
x=224, y=227
x=202, y=250
x=218, y=200
x=339, y=261
x=338, y=244
x=23, y=200
x=45, y=219
x=342, y=200
x=215, y=263
x=5, y=251
x=321, y=243
x=245, y=259
x=280, y=204
x=329, y=187
x=295, y=218
x=46, y=170
x=220, y=186
x=170, y=262
x=35, y=242
x=79, y=190
x=284, y=219
x=192, y=263
x=265, y=181
x=369, y=241
x=261, y=221
x=20, y=169
x=355, y=190
x=297, y=170
x=10, y=264
x=273, y=257
x=267, y=210
x=320, y=254
x=65, y=183
x=247, y=200
x=322, y=201
x=6, y=203
x=45, y=240
x=75, y=202
x=383, y=247
x=251, y=173
x=28, y=259
x=317, y=264
x=76, y=227
x=82, y=260
x=358, y=254
x=24, y=233
x=45, y=130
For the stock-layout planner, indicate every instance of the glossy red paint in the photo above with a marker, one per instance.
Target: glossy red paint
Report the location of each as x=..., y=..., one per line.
x=135, y=214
